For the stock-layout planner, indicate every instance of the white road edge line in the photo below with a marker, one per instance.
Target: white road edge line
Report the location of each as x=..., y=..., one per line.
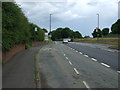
x=86, y=85
x=76, y=51
x=93, y=59
x=66, y=57
x=86, y=55
x=105, y=64
x=80, y=52
x=118, y=71
x=76, y=70
x=70, y=62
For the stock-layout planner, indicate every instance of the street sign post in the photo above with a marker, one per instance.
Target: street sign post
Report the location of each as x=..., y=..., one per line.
x=46, y=37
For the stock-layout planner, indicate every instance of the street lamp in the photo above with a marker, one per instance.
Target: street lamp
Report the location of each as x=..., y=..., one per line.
x=98, y=19
x=97, y=26
x=50, y=26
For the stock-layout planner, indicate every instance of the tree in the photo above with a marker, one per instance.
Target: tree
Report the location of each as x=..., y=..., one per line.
x=45, y=30
x=105, y=31
x=77, y=34
x=86, y=36
x=15, y=27
x=97, y=33
x=61, y=33
x=115, y=28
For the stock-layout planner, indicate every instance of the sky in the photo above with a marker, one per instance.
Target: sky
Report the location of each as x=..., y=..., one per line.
x=78, y=15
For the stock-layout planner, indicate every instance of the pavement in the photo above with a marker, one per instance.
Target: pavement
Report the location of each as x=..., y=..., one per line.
x=64, y=66
x=19, y=71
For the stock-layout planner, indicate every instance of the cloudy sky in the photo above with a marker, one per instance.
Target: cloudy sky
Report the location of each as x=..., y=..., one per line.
x=78, y=15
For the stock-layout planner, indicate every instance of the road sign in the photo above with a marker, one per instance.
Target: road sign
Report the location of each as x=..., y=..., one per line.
x=46, y=36
x=35, y=29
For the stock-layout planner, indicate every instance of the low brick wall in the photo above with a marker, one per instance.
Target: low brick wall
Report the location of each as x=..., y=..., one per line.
x=37, y=43
x=8, y=55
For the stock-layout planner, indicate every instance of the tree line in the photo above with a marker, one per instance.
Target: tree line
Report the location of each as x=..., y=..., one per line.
x=115, y=30
x=16, y=29
x=61, y=33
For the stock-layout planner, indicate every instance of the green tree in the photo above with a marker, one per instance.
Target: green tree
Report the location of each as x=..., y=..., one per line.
x=105, y=31
x=15, y=27
x=115, y=28
x=77, y=34
x=61, y=33
x=97, y=33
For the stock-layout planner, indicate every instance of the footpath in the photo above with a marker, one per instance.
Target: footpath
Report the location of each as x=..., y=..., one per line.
x=19, y=71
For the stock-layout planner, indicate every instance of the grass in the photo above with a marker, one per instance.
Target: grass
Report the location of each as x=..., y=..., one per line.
x=48, y=41
x=112, y=41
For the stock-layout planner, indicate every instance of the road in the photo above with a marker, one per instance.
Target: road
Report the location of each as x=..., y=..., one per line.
x=103, y=55
x=71, y=66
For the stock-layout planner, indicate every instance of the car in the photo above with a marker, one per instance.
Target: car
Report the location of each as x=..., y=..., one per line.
x=65, y=41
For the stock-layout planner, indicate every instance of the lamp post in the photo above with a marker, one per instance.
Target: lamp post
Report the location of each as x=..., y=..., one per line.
x=97, y=26
x=98, y=19
x=50, y=26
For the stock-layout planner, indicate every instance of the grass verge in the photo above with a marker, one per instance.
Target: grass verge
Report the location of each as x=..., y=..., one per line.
x=112, y=41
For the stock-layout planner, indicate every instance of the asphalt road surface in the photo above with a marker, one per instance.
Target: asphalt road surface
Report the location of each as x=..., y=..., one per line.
x=102, y=55
x=68, y=66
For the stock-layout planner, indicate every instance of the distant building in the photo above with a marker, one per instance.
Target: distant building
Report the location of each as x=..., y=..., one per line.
x=119, y=10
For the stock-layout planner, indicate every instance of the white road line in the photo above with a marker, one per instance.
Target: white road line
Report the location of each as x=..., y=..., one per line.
x=76, y=51
x=80, y=52
x=64, y=54
x=86, y=55
x=118, y=71
x=66, y=57
x=76, y=70
x=86, y=85
x=93, y=59
x=70, y=62
x=105, y=64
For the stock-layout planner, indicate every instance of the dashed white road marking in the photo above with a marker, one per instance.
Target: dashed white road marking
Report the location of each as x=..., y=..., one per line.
x=86, y=85
x=64, y=54
x=93, y=59
x=66, y=57
x=80, y=52
x=76, y=51
x=70, y=63
x=86, y=55
x=76, y=70
x=105, y=64
x=118, y=71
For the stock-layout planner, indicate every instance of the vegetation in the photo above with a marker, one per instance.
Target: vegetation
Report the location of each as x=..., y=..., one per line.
x=16, y=29
x=112, y=41
x=97, y=33
x=116, y=27
x=105, y=31
x=61, y=33
x=115, y=31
